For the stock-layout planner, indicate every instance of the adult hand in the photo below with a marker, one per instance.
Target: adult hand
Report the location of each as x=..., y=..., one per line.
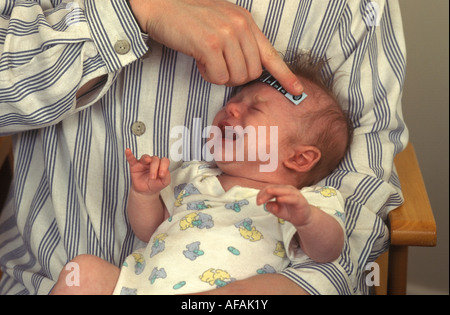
x=222, y=37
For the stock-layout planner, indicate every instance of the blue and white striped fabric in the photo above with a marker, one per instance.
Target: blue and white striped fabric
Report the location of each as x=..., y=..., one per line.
x=71, y=182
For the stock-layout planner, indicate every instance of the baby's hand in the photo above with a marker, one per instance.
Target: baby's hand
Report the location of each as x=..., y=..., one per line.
x=289, y=203
x=149, y=175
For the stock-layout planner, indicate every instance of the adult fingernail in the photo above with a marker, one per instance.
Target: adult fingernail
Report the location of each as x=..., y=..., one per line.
x=298, y=87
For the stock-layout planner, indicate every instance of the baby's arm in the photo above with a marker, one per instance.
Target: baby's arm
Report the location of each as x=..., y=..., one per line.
x=146, y=211
x=320, y=236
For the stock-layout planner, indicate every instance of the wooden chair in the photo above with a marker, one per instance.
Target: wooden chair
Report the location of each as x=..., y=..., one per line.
x=412, y=224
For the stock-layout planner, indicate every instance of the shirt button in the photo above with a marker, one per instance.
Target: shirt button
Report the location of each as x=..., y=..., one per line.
x=138, y=128
x=122, y=47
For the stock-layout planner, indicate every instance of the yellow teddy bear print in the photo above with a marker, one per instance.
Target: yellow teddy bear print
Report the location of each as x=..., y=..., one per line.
x=216, y=277
x=280, y=251
x=196, y=219
x=248, y=231
x=327, y=192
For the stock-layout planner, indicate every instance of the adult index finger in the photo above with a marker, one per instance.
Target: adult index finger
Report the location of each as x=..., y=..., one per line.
x=273, y=63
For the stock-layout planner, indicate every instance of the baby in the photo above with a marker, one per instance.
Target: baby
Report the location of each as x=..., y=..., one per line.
x=208, y=224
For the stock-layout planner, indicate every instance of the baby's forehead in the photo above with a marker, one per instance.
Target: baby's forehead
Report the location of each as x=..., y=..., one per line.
x=260, y=92
x=314, y=96
x=268, y=79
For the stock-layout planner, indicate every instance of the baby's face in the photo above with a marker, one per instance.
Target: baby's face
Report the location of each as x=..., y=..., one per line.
x=257, y=105
x=267, y=118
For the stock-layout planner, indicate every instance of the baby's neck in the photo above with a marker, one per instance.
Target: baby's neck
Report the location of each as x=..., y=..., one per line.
x=229, y=181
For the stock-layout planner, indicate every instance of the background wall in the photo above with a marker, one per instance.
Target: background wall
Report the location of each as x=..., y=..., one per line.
x=426, y=111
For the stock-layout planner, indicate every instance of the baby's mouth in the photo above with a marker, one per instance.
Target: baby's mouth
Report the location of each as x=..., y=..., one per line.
x=228, y=131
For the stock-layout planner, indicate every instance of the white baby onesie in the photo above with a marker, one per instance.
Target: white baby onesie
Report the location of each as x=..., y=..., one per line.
x=214, y=237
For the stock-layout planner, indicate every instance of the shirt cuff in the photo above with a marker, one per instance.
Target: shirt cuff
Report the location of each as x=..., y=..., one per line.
x=115, y=32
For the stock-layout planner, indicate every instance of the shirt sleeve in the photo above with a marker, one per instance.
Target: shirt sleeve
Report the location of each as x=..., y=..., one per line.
x=48, y=52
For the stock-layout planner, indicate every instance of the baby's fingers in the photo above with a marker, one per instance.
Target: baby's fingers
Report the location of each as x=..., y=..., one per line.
x=264, y=196
x=280, y=192
x=133, y=161
x=146, y=159
x=159, y=168
x=164, y=173
x=154, y=167
x=130, y=157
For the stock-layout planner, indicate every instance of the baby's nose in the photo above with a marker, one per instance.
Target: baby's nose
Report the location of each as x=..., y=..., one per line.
x=234, y=109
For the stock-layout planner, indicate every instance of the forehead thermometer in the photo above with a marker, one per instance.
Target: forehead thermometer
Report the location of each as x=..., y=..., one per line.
x=270, y=80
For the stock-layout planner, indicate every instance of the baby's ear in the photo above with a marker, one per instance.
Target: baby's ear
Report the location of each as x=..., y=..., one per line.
x=303, y=159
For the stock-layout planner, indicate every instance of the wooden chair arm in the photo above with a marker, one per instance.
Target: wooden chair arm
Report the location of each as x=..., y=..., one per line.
x=413, y=223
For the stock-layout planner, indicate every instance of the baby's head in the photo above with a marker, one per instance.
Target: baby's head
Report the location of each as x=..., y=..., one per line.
x=312, y=137
x=322, y=121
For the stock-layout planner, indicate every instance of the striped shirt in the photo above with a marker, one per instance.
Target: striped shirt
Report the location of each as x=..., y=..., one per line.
x=71, y=179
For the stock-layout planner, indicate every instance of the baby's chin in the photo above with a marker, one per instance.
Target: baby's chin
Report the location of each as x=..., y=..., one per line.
x=231, y=168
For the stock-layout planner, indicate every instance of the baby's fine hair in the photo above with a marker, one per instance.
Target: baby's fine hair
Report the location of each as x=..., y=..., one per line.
x=329, y=127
